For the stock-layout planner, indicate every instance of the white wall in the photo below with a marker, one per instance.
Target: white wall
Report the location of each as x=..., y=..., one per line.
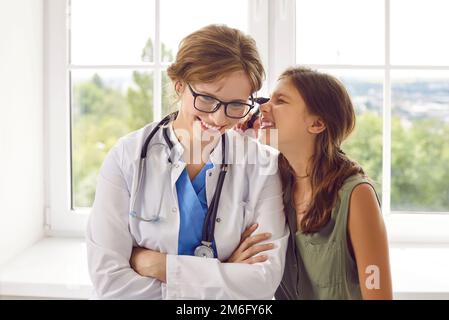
x=21, y=125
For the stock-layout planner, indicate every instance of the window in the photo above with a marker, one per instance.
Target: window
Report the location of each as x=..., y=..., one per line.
x=107, y=78
x=106, y=62
x=391, y=56
x=117, y=57
x=420, y=144
x=420, y=106
x=340, y=32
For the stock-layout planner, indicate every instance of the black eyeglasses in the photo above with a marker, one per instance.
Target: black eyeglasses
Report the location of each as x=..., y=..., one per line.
x=233, y=109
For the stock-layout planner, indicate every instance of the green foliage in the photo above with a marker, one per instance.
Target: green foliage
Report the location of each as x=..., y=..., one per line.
x=420, y=163
x=140, y=100
x=419, y=158
x=101, y=114
x=97, y=122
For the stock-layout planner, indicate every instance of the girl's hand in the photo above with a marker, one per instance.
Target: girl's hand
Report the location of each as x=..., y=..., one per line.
x=247, y=250
x=149, y=263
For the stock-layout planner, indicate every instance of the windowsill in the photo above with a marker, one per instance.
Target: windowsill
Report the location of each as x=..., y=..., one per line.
x=57, y=268
x=51, y=268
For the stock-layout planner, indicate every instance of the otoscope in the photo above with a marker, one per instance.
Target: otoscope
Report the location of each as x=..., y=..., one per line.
x=255, y=115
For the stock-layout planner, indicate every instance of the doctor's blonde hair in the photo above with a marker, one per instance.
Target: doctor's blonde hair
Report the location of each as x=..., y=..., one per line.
x=215, y=51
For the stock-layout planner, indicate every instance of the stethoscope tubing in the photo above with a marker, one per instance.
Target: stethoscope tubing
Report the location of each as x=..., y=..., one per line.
x=211, y=216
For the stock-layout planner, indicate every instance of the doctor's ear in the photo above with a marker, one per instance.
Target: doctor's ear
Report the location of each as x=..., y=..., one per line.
x=317, y=126
x=179, y=87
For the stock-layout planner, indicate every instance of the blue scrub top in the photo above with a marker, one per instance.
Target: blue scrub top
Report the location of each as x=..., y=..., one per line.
x=193, y=210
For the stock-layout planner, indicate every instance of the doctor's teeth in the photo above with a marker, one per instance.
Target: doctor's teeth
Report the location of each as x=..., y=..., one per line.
x=266, y=124
x=209, y=126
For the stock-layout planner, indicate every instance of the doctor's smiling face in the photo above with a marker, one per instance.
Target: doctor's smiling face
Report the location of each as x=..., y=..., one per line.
x=215, y=72
x=198, y=99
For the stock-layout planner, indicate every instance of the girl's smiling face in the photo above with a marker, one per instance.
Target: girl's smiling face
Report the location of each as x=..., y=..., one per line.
x=287, y=113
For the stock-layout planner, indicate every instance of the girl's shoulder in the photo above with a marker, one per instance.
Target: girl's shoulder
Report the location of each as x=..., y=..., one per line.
x=356, y=184
x=353, y=181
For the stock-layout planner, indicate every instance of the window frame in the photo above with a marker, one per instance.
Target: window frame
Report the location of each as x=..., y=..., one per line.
x=273, y=25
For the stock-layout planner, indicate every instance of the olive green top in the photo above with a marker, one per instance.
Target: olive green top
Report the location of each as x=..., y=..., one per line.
x=326, y=268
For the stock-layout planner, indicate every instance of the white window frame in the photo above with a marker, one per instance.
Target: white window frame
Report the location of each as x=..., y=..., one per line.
x=273, y=25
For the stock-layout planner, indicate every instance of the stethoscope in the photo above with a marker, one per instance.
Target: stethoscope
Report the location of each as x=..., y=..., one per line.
x=205, y=248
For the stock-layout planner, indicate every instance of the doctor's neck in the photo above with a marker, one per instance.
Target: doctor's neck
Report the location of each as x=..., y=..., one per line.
x=197, y=144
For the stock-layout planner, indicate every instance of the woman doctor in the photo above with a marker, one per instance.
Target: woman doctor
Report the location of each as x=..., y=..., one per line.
x=174, y=197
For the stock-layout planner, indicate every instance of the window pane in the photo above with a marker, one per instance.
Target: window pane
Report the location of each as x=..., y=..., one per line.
x=418, y=30
x=179, y=18
x=420, y=143
x=105, y=106
x=364, y=145
x=112, y=31
x=339, y=32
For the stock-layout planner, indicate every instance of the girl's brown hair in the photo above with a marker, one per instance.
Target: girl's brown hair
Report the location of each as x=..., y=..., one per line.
x=215, y=51
x=327, y=98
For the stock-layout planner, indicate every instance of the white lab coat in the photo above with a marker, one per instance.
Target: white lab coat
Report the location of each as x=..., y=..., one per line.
x=249, y=195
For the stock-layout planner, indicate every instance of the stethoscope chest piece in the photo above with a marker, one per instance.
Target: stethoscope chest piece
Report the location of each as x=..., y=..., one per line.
x=204, y=251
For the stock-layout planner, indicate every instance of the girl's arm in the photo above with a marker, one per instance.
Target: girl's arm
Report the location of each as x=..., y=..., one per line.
x=369, y=241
